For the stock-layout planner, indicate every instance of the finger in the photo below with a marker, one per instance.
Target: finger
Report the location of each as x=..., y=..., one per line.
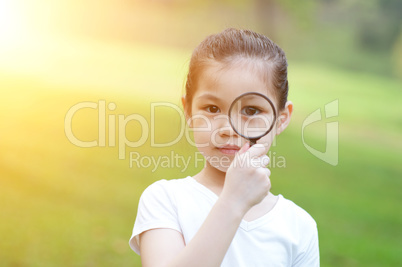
x=267, y=172
x=260, y=162
x=257, y=150
x=263, y=170
x=264, y=161
x=244, y=148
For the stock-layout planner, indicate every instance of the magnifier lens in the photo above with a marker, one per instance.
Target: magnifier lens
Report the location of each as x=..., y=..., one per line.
x=252, y=115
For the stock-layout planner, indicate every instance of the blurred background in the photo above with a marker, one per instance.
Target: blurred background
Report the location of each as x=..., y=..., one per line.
x=66, y=205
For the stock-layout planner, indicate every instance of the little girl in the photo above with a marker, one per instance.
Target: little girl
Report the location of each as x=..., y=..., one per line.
x=225, y=215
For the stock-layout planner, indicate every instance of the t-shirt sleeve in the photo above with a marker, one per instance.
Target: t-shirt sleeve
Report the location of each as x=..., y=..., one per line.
x=309, y=255
x=156, y=209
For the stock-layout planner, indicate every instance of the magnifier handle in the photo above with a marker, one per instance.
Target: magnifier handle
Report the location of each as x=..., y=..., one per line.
x=253, y=142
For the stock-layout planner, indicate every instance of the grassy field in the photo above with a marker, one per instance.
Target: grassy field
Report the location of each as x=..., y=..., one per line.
x=64, y=205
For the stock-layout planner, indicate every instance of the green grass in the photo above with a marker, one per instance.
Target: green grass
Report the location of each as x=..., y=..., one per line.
x=68, y=206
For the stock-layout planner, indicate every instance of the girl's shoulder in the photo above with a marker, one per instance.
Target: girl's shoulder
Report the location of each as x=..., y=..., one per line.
x=169, y=183
x=296, y=213
x=164, y=186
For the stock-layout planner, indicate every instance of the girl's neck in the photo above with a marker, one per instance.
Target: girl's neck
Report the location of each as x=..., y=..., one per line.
x=211, y=178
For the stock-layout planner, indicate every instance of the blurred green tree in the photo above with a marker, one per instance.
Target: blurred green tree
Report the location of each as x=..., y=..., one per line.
x=272, y=14
x=378, y=23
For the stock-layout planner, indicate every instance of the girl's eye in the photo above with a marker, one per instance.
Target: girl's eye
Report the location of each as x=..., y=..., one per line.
x=250, y=111
x=212, y=109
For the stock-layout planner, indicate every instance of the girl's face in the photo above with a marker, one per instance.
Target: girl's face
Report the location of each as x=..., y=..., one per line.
x=216, y=90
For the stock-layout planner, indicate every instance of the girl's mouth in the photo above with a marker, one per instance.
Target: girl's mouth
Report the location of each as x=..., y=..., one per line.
x=229, y=149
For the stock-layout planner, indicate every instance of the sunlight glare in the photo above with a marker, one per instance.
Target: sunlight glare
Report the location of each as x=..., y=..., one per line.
x=12, y=22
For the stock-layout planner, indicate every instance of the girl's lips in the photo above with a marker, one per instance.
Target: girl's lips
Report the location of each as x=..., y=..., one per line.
x=229, y=149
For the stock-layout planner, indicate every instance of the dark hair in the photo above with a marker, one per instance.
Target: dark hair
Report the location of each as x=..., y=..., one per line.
x=233, y=45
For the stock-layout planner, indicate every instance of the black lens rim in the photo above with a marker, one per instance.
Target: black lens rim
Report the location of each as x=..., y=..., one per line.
x=253, y=139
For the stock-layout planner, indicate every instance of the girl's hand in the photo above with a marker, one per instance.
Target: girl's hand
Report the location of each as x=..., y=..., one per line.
x=247, y=180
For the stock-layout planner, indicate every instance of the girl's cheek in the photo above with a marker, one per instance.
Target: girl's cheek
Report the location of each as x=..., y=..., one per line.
x=267, y=141
x=201, y=128
x=202, y=122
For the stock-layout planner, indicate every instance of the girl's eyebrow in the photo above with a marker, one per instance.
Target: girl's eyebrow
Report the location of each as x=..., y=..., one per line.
x=208, y=96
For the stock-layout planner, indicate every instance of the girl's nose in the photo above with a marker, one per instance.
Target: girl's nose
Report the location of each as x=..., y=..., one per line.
x=224, y=126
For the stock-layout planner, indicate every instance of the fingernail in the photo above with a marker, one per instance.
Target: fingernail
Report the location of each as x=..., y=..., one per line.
x=258, y=146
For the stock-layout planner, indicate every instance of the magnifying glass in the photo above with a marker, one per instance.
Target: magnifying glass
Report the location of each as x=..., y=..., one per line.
x=252, y=115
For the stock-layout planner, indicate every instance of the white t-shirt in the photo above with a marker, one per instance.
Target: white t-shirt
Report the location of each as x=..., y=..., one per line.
x=285, y=236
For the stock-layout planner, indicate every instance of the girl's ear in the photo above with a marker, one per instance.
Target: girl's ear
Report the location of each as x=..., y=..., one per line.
x=284, y=117
x=183, y=101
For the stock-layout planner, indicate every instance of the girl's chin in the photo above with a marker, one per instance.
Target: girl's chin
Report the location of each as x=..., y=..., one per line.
x=222, y=169
x=222, y=166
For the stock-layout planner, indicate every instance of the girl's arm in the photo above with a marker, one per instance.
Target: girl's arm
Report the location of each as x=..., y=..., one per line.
x=165, y=247
x=246, y=184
